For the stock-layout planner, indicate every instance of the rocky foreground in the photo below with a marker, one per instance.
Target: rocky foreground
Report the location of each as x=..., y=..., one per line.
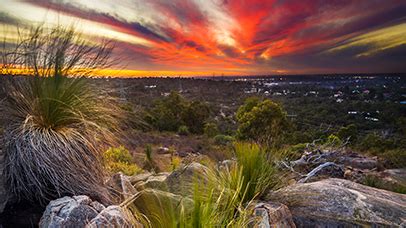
x=322, y=192
x=329, y=202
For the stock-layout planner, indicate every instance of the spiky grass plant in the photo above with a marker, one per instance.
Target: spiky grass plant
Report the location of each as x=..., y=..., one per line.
x=56, y=125
x=212, y=204
x=257, y=169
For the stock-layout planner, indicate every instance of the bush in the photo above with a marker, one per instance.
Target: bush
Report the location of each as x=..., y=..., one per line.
x=333, y=140
x=173, y=111
x=120, y=160
x=211, y=130
x=259, y=173
x=223, y=139
x=264, y=121
x=149, y=163
x=55, y=124
x=213, y=205
x=183, y=130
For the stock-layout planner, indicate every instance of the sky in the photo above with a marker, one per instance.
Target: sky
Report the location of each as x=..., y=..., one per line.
x=231, y=37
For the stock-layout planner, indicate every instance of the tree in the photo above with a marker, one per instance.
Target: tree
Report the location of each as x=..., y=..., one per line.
x=265, y=122
x=173, y=111
x=55, y=121
x=195, y=115
x=166, y=114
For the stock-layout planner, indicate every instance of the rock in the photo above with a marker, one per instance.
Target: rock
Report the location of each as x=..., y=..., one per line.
x=157, y=181
x=73, y=211
x=3, y=191
x=159, y=204
x=112, y=216
x=342, y=203
x=357, y=161
x=81, y=211
x=120, y=187
x=139, y=177
x=181, y=181
x=271, y=214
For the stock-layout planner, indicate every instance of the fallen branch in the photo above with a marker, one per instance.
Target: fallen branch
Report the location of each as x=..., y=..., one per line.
x=316, y=170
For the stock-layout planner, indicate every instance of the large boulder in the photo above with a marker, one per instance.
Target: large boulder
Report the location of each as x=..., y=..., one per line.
x=155, y=181
x=181, y=181
x=73, y=211
x=81, y=211
x=113, y=216
x=3, y=191
x=270, y=214
x=120, y=187
x=342, y=203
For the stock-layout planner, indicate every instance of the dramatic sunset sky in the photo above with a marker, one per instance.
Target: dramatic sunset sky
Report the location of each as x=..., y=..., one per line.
x=231, y=37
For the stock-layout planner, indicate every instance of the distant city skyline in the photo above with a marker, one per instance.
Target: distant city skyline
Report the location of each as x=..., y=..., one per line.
x=229, y=37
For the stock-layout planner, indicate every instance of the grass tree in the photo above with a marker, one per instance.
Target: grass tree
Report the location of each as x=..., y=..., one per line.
x=56, y=123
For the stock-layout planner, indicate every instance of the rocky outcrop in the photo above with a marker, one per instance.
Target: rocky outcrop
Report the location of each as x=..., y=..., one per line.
x=182, y=180
x=81, y=211
x=179, y=182
x=3, y=192
x=113, y=216
x=342, y=203
x=274, y=215
x=120, y=187
x=73, y=211
x=156, y=181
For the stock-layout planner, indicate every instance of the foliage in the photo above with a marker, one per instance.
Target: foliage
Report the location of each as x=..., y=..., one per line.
x=333, y=140
x=377, y=182
x=175, y=161
x=223, y=139
x=211, y=129
x=173, y=111
x=166, y=113
x=222, y=200
x=56, y=126
x=119, y=159
x=395, y=158
x=258, y=172
x=348, y=132
x=149, y=163
x=194, y=115
x=213, y=205
x=264, y=121
x=183, y=130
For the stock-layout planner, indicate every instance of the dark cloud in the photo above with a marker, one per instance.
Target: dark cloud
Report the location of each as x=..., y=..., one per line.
x=293, y=35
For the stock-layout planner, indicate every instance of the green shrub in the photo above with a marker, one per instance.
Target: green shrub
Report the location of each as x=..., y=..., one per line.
x=173, y=111
x=118, y=154
x=258, y=172
x=264, y=121
x=211, y=130
x=56, y=124
x=395, y=158
x=213, y=205
x=223, y=139
x=376, y=182
x=149, y=163
x=120, y=160
x=333, y=140
x=183, y=130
